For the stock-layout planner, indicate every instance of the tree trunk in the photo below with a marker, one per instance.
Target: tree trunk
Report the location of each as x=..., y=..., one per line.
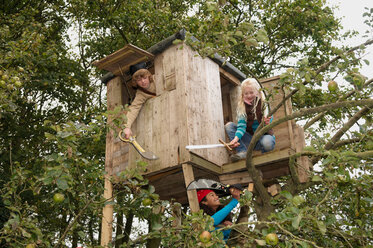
x=154, y=242
x=236, y=237
x=119, y=230
x=128, y=227
x=263, y=211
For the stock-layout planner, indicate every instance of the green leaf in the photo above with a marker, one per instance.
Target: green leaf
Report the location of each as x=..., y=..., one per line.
x=82, y=235
x=260, y=242
x=251, y=42
x=156, y=226
x=286, y=194
x=49, y=136
x=62, y=184
x=177, y=41
x=297, y=200
x=151, y=189
x=296, y=220
x=316, y=179
x=321, y=226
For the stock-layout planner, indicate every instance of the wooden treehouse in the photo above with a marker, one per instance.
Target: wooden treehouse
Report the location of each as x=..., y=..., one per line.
x=195, y=97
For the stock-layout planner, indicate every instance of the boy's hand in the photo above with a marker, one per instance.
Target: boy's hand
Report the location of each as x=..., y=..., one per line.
x=127, y=133
x=236, y=193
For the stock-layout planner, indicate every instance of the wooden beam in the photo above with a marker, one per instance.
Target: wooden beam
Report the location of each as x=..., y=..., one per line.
x=242, y=177
x=266, y=80
x=205, y=164
x=266, y=158
x=250, y=187
x=120, y=61
x=274, y=189
x=229, y=77
x=192, y=194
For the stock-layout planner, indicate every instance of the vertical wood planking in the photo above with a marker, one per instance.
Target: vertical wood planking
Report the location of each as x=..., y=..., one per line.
x=205, y=112
x=215, y=128
x=235, y=93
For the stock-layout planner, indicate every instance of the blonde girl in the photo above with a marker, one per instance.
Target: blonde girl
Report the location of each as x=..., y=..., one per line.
x=249, y=116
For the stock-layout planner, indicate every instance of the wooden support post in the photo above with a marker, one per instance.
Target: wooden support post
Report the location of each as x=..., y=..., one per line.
x=114, y=96
x=192, y=194
x=107, y=214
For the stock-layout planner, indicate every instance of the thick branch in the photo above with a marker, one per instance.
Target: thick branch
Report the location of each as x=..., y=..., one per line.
x=321, y=68
x=346, y=127
x=292, y=159
x=346, y=142
x=320, y=115
x=364, y=155
x=249, y=163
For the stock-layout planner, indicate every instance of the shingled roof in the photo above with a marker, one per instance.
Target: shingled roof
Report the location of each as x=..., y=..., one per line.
x=164, y=44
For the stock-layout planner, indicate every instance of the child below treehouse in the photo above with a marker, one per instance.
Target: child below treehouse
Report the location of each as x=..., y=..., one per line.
x=209, y=202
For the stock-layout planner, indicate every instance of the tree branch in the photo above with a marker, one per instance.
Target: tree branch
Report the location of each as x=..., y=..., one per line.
x=254, y=173
x=321, y=68
x=346, y=142
x=320, y=115
x=346, y=127
x=72, y=223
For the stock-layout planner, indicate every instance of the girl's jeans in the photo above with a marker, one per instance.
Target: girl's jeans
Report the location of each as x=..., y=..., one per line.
x=266, y=143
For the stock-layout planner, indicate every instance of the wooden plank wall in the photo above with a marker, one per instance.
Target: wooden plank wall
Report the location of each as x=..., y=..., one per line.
x=119, y=150
x=205, y=111
x=283, y=132
x=161, y=125
x=186, y=111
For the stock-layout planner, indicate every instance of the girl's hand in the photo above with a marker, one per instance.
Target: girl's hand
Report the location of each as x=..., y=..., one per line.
x=236, y=193
x=234, y=142
x=267, y=120
x=227, y=223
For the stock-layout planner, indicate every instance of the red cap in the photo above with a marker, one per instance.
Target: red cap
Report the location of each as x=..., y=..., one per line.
x=202, y=193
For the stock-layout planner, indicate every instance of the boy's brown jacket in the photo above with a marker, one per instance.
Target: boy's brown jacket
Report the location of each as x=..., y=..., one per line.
x=137, y=103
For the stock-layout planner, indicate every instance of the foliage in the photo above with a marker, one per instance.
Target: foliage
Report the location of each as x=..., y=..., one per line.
x=53, y=123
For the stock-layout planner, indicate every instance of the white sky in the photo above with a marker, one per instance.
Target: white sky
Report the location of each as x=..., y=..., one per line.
x=351, y=12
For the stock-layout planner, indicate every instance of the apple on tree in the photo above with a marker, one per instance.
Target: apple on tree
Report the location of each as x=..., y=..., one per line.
x=332, y=86
x=146, y=201
x=205, y=236
x=58, y=198
x=271, y=239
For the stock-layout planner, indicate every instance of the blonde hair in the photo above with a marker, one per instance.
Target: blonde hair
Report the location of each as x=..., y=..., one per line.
x=254, y=84
x=140, y=74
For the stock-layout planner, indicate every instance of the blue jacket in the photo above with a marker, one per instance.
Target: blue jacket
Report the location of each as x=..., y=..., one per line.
x=221, y=214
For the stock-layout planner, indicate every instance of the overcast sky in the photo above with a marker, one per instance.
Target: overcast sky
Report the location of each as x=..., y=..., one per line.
x=351, y=12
